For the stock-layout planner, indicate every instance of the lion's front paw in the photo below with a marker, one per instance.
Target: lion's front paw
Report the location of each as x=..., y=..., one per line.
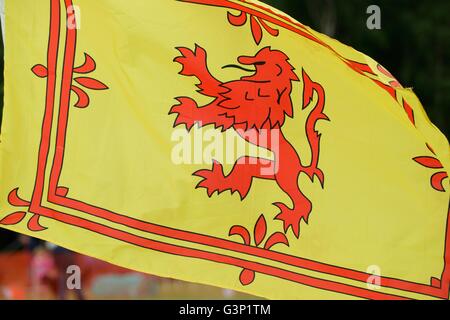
x=186, y=111
x=193, y=62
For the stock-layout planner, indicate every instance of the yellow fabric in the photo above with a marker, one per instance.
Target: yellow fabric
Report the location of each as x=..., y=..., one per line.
x=377, y=208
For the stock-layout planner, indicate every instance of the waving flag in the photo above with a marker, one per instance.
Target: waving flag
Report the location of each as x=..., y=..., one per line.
x=220, y=142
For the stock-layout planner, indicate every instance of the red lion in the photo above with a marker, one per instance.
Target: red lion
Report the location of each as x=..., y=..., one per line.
x=254, y=106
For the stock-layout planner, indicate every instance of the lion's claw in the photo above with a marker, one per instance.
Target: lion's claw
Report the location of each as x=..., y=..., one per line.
x=186, y=112
x=212, y=179
x=192, y=61
x=291, y=218
x=215, y=180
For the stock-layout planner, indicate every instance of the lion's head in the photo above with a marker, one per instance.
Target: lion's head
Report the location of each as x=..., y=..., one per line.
x=263, y=98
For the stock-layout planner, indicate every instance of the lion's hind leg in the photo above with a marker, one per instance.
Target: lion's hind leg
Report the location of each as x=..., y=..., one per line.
x=239, y=179
x=301, y=205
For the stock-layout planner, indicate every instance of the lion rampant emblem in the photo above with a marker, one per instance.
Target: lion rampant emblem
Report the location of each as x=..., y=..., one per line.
x=255, y=103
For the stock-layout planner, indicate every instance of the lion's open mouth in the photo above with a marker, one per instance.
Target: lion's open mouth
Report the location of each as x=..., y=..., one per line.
x=238, y=67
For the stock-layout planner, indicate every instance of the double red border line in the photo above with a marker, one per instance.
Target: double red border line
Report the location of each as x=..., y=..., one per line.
x=438, y=288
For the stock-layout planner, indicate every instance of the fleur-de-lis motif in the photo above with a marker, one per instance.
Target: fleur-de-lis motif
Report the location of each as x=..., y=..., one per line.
x=259, y=234
x=256, y=25
x=437, y=179
x=17, y=217
x=85, y=82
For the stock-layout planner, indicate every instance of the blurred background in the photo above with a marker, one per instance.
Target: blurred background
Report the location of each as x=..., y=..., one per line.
x=413, y=43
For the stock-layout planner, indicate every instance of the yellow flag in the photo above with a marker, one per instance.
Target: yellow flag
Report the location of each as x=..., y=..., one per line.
x=220, y=142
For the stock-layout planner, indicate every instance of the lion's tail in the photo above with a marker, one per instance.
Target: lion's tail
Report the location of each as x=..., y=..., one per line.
x=316, y=114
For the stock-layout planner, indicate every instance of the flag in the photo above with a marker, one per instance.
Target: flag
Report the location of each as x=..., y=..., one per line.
x=221, y=142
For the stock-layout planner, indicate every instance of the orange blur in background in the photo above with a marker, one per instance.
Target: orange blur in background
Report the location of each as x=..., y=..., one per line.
x=41, y=273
